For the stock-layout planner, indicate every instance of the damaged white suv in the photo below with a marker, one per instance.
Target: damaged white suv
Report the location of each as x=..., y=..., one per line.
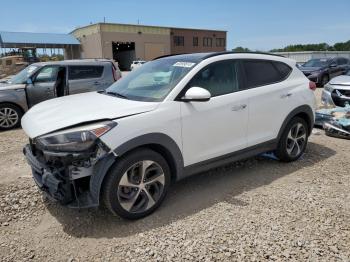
x=175, y=116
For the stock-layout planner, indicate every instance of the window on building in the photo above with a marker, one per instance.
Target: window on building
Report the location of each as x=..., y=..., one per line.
x=220, y=42
x=195, y=41
x=84, y=72
x=207, y=41
x=179, y=40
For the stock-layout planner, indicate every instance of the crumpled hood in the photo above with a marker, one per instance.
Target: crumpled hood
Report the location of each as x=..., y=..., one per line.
x=7, y=86
x=340, y=80
x=63, y=112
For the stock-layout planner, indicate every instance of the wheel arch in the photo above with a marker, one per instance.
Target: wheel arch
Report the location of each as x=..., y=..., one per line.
x=305, y=112
x=160, y=143
x=13, y=104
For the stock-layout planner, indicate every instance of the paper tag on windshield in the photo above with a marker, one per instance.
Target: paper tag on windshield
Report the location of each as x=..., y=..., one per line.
x=184, y=64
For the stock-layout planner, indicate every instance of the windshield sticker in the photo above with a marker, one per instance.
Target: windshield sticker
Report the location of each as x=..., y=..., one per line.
x=184, y=64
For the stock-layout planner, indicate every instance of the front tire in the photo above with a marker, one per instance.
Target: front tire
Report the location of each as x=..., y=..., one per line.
x=293, y=141
x=137, y=184
x=10, y=116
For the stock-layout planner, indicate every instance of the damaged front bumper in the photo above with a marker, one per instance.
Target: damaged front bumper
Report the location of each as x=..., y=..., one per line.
x=74, y=180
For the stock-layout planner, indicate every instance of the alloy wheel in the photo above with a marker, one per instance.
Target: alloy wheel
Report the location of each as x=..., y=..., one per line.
x=8, y=117
x=141, y=186
x=296, y=140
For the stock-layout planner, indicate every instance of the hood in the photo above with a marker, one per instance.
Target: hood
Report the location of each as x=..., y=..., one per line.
x=309, y=69
x=63, y=112
x=7, y=86
x=340, y=80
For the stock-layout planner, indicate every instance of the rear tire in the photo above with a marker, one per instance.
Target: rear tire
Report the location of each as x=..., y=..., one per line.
x=293, y=141
x=10, y=116
x=137, y=184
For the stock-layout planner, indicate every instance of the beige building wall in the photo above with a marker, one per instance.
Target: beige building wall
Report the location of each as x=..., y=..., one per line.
x=142, y=43
x=188, y=46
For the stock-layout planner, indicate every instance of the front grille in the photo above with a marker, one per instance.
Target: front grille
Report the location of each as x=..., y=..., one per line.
x=341, y=101
x=343, y=92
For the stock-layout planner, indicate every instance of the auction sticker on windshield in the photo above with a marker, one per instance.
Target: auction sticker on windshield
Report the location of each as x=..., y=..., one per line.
x=184, y=64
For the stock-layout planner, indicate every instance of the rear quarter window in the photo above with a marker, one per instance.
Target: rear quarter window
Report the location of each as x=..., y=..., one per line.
x=85, y=72
x=264, y=72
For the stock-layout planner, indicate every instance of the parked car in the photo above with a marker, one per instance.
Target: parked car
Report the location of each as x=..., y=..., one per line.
x=337, y=91
x=321, y=70
x=42, y=81
x=125, y=146
x=136, y=64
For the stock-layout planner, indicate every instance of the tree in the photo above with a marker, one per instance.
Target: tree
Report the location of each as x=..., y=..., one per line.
x=241, y=49
x=315, y=47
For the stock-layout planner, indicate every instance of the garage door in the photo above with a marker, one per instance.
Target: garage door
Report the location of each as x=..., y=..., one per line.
x=153, y=50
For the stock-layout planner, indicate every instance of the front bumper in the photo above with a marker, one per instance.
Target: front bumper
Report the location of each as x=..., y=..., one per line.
x=76, y=187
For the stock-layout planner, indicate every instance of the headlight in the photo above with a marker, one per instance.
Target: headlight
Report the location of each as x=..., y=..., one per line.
x=75, y=139
x=328, y=88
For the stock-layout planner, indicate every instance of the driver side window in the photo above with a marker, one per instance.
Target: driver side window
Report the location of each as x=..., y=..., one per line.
x=219, y=78
x=47, y=74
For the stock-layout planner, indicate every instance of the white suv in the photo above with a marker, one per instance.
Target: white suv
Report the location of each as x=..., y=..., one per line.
x=173, y=117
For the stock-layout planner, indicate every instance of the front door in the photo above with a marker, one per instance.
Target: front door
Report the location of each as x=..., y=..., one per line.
x=43, y=85
x=216, y=127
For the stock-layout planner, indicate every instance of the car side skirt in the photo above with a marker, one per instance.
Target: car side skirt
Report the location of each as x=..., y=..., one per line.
x=229, y=158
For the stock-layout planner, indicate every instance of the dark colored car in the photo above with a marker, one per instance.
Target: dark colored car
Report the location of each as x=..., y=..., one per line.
x=321, y=70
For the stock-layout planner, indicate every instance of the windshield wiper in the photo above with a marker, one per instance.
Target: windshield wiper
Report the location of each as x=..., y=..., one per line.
x=115, y=94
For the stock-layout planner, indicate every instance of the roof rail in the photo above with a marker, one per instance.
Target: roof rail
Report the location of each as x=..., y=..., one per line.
x=234, y=52
x=163, y=56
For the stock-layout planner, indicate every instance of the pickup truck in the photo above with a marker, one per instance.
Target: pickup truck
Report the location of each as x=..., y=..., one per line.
x=42, y=81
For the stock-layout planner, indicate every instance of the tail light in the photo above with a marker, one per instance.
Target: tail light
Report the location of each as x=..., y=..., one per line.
x=312, y=86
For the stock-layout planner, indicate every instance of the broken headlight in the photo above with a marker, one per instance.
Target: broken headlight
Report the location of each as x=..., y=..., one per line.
x=76, y=139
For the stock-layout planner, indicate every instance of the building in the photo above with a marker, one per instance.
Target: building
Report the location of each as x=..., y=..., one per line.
x=125, y=43
x=46, y=41
x=302, y=57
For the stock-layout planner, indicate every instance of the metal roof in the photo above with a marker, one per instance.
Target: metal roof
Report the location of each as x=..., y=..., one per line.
x=37, y=38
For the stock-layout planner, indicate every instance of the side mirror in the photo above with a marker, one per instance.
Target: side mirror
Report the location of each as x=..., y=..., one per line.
x=29, y=81
x=196, y=94
x=333, y=65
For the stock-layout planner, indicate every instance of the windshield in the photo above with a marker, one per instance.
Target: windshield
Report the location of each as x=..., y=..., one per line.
x=316, y=63
x=153, y=81
x=22, y=76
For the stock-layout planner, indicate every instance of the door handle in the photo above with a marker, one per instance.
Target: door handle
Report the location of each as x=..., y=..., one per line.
x=286, y=95
x=97, y=83
x=238, y=108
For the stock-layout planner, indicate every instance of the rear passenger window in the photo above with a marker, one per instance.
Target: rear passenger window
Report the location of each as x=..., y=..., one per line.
x=262, y=72
x=219, y=78
x=85, y=72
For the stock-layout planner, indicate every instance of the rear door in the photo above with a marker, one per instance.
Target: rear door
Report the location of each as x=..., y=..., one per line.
x=270, y=98
x=43, y=85
x=86, y=78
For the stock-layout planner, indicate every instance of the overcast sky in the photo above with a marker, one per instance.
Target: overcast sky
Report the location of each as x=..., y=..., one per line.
x=258, y=25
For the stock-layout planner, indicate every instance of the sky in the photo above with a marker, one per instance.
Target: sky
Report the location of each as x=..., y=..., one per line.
x=258, y=25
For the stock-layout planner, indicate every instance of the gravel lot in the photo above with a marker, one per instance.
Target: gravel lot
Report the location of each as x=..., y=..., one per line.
x=253, y=210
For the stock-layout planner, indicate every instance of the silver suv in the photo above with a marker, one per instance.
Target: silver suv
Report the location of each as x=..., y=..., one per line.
x=42, y=81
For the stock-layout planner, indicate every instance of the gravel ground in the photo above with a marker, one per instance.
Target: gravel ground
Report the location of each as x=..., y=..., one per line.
x=253, y=210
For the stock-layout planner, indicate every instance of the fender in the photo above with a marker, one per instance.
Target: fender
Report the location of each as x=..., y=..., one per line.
x=172, y=153
x=305, y=109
